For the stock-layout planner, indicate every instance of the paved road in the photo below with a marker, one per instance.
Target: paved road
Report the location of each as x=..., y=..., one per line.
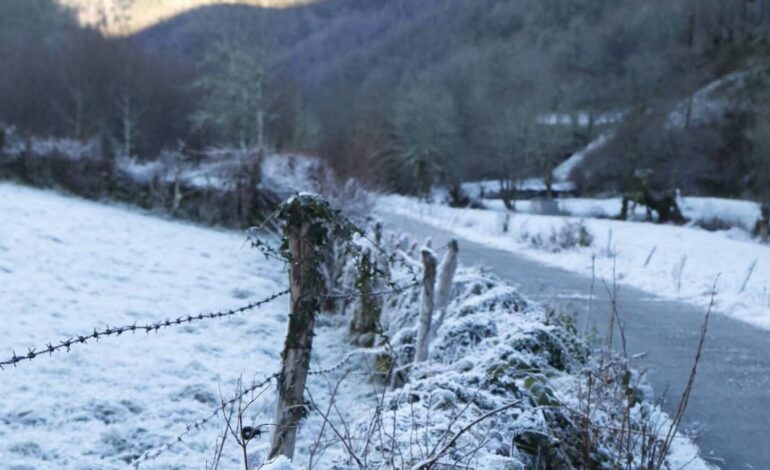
x=730, y=404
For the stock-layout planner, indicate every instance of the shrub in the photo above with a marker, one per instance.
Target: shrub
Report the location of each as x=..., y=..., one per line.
x=571, y=235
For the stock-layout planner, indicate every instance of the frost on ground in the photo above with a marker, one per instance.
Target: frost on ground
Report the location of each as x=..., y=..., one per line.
x=679, y=263
x=497, y=349
x=67, y=266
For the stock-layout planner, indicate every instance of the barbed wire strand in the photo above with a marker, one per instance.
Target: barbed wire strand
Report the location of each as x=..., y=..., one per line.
x=67, y=344
x=152, y=454
x=354, y=294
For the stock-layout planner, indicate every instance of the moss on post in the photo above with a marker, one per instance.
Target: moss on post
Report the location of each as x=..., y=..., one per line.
x=306, y=232
x=366, y=316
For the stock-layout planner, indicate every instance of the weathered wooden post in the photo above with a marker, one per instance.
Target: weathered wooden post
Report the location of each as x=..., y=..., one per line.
x=427, y=304
x=366, y=316
x=303, y=231
x=446, y=274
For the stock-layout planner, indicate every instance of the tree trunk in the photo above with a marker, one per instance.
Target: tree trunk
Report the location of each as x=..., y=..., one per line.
x=176, y=202
x=299, y=339
x=506, y=194
x=427, y=304
x=624, y=208
x=549, y=182
x=128, y=128
x=763, y=224
x=378, y=234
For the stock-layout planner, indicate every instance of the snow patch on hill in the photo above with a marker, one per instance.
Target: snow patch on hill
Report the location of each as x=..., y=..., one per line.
x=708, y=104
x=563, y=171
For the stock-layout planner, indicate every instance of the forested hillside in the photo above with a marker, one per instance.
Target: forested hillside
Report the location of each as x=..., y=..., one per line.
x=409, y=94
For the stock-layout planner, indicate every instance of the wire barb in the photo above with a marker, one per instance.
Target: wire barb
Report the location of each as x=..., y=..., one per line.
x=354, y=294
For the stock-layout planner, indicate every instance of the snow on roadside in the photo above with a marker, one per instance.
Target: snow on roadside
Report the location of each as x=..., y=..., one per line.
x=733, y=212
x=495, y=347
x=701, y=254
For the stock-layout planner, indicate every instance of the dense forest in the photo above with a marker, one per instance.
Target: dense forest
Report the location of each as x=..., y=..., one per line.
x=408, y=94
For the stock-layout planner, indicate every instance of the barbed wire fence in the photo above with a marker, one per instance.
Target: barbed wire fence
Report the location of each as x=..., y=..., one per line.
x=155, y=452
x=65, y=345
x=189, y=428
x=154, y=327
x=83, y=339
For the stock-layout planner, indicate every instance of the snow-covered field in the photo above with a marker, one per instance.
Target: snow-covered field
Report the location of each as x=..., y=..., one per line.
x=67, y=266
x=743, y=290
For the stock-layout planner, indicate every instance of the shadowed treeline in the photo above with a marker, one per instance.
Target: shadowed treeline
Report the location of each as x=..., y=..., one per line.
x=409, y=94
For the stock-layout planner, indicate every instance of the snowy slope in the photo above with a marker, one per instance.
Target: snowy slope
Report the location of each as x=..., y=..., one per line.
x=707, y=105
x=68, y=266
x=710, y=103
x=563, y=170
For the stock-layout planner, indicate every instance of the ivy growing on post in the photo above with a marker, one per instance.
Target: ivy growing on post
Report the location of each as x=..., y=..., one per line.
x=309, y=225
x=309, y=228
x=366, y=317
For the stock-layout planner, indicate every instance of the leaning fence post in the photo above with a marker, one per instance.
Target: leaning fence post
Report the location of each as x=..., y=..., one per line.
x=427, y=304
x=446, y=273
x=305, y=288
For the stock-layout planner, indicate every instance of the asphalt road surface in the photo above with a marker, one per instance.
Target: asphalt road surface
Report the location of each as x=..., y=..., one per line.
x=730, y=404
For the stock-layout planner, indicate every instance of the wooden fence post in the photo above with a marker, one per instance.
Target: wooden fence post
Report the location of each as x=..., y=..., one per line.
x=305, y=303
x=427, y=304
x=366, y=316
x=446, y=273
